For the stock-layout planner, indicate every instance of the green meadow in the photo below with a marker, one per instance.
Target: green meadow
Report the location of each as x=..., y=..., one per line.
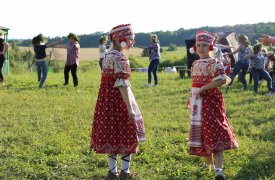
x=45, y=133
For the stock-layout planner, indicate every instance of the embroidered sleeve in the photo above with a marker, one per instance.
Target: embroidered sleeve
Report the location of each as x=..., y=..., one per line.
x=122, y=71
x=218, y=71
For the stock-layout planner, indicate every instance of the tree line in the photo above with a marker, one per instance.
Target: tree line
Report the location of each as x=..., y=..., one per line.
x=177, y=37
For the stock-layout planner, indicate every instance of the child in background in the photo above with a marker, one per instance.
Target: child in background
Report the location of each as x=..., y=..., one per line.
x=39, y=46
x=4, y=46
x=118, y=124
x=154, y=58
x=258, y=61
x=102, y=49
x=210, y=132
x=242, y=65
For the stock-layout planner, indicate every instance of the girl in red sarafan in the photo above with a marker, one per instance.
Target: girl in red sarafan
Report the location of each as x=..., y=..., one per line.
x=210, y=132
x=118, y=124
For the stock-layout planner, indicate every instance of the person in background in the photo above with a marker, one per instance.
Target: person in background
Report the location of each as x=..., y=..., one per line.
x=258, y=60
x=102, y=49
x=154, y=58
x=4, y=46
x=39, y=46
x=218, y=54
x=72, y=61
x=268, y=63
x=117, y=125
x=210, y=132
x=242, y=65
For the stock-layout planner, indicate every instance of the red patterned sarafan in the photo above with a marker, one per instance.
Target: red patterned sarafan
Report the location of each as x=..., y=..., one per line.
x=215, y=133
x=112, y=132
x=122, y=31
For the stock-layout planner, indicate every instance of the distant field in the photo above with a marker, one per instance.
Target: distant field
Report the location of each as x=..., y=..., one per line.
x=85, y=53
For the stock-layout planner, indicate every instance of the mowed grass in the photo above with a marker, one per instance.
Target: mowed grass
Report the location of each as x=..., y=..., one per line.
x=45, y=133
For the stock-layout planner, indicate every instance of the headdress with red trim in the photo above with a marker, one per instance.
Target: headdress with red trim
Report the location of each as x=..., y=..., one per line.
x=122, y=31
x=204, y=37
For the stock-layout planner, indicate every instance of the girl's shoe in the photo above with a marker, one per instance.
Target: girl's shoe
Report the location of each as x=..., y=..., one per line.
x=124, y=176
x=112, y=176
x=219, y=174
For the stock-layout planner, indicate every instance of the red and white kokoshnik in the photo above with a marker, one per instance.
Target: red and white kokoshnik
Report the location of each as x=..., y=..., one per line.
x=122, y=31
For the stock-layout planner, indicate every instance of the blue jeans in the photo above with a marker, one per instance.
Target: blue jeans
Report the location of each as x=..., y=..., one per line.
x=241, y=68
x=273, y=84
x=153, y=67
x=42, y=70
x=256, y=73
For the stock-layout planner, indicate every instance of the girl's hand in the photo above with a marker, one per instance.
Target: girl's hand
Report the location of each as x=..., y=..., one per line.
x=188, y=103
x=198, y=93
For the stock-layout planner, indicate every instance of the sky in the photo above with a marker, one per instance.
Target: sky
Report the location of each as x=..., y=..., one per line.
x=27, y=18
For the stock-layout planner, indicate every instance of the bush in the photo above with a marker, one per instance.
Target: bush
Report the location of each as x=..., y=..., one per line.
x=133, y=62
x=172, y=47
x=55, y=66
x=145, y=53
x=169, y=63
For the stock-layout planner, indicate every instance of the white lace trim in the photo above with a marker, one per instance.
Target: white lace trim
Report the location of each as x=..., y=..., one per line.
x=122, y=82
x=223, y=77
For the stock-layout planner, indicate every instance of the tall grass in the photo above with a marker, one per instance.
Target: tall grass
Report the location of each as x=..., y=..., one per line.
x=45, y=133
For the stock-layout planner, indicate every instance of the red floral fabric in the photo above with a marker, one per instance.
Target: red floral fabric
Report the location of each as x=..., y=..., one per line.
x=112, y=132
x=215, y=131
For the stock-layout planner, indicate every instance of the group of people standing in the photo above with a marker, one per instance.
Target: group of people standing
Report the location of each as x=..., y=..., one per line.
x=256, y=58
x=72, y=60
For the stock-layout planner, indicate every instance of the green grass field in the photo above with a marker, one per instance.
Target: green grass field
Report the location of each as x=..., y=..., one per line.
x=45, y=133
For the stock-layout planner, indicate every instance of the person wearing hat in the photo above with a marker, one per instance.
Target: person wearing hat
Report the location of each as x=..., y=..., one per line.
x=102, y=49
x=154, y=58
x=117, y=125
x=72, y=61
x=39, y=46
x=242, y=65
x=210, y=132
x=4, y=46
